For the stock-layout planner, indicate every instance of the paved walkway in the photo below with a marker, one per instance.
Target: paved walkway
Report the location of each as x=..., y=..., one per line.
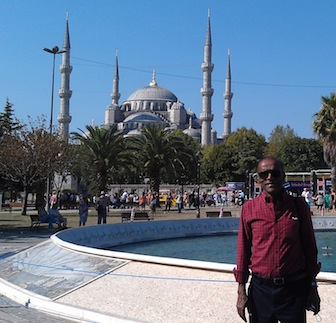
x=10, y=311
x=131, y=291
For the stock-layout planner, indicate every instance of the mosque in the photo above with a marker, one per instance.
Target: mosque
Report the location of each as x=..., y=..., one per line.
x=153, y=104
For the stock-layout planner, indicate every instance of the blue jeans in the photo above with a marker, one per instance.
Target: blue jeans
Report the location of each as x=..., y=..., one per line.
x=47, y=218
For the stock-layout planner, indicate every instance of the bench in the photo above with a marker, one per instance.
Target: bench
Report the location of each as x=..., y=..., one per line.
x=126, y=216
x=16, y=205
x=127, y=205
x=69, y=205
x=35, y=222
x=6, y=207
x=215, y=214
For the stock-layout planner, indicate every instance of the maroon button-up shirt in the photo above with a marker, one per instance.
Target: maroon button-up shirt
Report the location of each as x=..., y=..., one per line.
x=275, y=240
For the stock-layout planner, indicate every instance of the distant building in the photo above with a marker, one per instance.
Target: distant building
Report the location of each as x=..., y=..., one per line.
x=153, y=104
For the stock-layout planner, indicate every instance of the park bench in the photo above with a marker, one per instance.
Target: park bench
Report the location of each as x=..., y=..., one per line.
x=215, y=214
x=16, y=205
x=139, y=215
x=128, y=205
x=6, y=207
x=36, y=222
x=70, y=205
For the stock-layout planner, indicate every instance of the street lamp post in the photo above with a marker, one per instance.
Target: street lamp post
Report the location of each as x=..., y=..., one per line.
x=198, y=156
x=55, y=50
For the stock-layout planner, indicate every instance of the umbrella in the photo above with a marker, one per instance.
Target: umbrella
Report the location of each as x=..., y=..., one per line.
x=224, y=188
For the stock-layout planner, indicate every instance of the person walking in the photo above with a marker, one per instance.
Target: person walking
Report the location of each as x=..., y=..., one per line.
x=179, y=202
x=168, y=202
x=101, y=207
x=319, y=201
x=153, y=204
x=142, y=202
x=83, y=209
x=327, y=201
x=276, y=242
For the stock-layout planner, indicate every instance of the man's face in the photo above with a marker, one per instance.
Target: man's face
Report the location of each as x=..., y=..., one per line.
x=270, y=176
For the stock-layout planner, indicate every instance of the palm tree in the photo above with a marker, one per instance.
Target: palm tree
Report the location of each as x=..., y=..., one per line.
x=325, y=127
x=103, y=154
x=159, y=151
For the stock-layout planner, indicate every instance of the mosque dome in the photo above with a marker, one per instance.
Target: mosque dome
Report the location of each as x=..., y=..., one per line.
x=153, y=92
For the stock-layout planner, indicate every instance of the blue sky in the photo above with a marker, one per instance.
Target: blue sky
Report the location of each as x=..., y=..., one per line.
x=282, y=56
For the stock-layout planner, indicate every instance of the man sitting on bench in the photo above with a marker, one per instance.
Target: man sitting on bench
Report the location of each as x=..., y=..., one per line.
x=54, y=212
x=44, y=217
x=53, y=217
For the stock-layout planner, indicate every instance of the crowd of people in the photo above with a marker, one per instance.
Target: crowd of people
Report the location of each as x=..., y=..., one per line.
x=325, y=202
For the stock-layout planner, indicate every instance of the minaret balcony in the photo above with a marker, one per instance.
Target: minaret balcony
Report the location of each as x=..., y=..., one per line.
x=64, y=118
x=67, y=69
x=207, y=91
x=206, y=116
x=228, y=96
x=64, y=94
x=227, y=114
x=207, y=67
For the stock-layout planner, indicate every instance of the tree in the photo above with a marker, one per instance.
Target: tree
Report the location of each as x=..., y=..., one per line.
x=186, y=172
x=157, y=151
x=244, y=148
x=8, y=124
x=301, y=154
x=102, y=155
x=216, y=165
x=29, y=156
x=324, y=126
x=277, y=138
x=234, y=158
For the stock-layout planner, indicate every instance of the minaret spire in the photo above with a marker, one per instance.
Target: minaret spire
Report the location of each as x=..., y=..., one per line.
x=115, y=95
x=227, y=100
x=207, y=91
x=64, y=92
x=153, y=83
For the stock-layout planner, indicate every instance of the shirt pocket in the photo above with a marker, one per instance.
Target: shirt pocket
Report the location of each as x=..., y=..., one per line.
x=292, y=227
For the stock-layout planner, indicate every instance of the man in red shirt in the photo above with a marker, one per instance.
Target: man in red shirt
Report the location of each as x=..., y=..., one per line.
x=276, y=242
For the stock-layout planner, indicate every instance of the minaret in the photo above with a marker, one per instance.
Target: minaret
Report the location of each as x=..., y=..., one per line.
x=112, y=111
x=227, y=101
x=115, y=95
x=64, y=92
x=206, y=91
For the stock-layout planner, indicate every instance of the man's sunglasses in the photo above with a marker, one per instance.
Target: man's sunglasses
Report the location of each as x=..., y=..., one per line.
x=274, y=173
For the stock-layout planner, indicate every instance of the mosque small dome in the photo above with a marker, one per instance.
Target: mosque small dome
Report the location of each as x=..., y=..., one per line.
x=194, y=133
x=143, y=117
x=134, y=132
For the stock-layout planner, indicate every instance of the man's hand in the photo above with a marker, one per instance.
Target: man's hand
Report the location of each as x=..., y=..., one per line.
x=313, y=301
x=242, y=301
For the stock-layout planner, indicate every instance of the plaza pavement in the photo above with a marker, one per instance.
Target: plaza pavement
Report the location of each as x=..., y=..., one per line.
x=139, y=292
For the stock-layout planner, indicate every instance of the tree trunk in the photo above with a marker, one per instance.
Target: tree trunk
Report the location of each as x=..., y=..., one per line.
x=333, y=178
x=155, y=184
x=25, y=201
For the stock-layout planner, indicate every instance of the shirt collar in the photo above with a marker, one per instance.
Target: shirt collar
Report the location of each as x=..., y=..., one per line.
x=269, y=199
